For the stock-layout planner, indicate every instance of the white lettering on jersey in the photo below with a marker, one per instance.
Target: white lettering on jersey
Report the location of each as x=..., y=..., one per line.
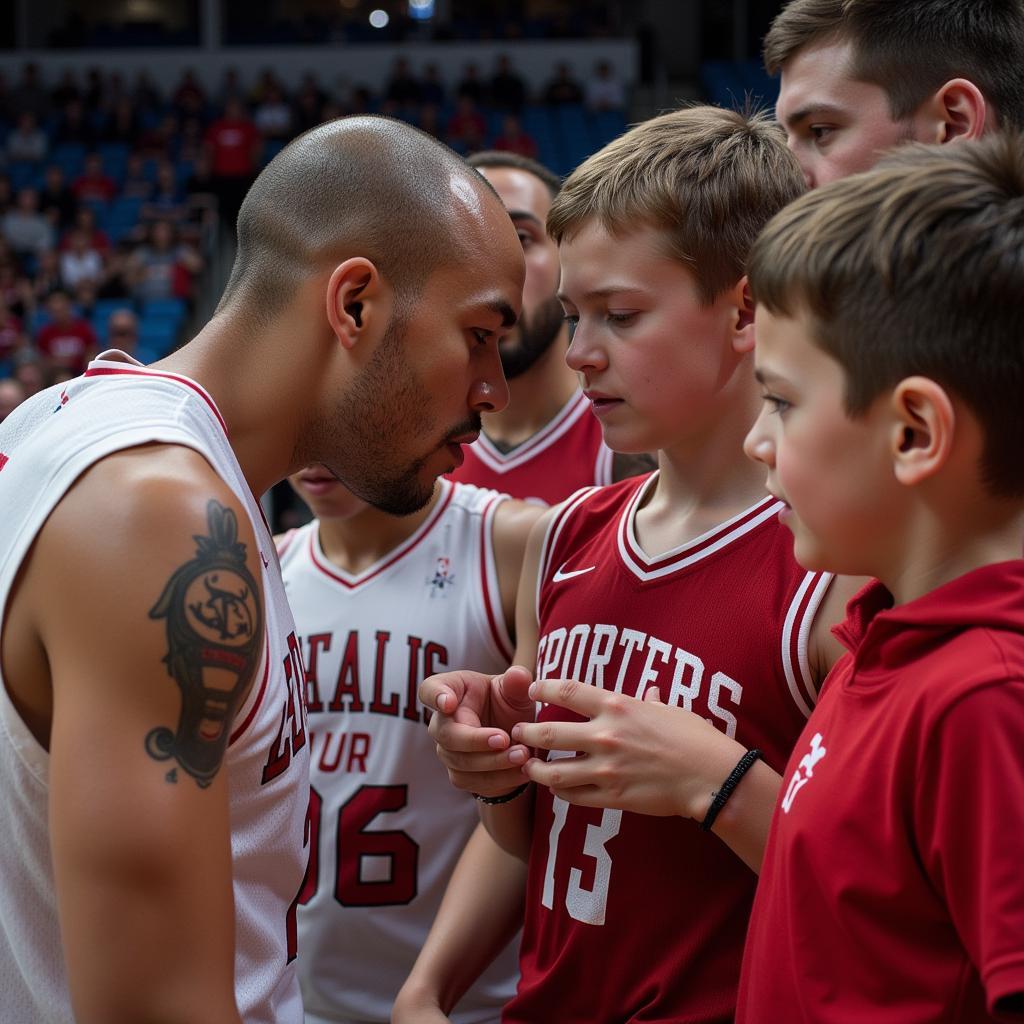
x=585, y=651
x=804, y=772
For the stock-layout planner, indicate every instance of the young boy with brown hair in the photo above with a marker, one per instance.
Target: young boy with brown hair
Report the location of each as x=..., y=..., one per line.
x=861, y=76
x=889, y=317
x=680, y=583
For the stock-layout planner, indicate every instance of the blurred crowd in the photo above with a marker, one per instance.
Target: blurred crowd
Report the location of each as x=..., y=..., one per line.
x=111, y=191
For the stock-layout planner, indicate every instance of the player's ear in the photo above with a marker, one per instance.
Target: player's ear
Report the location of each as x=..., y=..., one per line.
x=743, y=324
x=354, y=292
x=959, y=111
x=922, y=430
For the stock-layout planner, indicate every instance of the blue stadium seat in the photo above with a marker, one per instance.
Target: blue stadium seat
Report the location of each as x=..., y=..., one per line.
x=172, y=311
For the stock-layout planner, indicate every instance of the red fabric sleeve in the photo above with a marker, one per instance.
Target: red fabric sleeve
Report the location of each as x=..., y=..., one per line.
x=970, y=830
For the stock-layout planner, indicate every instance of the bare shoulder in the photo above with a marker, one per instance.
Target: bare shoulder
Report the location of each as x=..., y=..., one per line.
x=513, y=521
x=144, y=592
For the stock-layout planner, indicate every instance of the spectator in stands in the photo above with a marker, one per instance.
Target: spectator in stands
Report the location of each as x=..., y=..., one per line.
x=230, y=87
x=29, y=371
x=6, y=195
x=27, y=231
x=95, y=91
x=122, y=123
x=74, y=125
x=563, y=88
x=191, y=139
x=15, y=287
x=429, y=120
x=470, y=84
x=432, y=91
x=136, y=183
x=12, y=394
x=45, y=277
x=514, y=140
x=85, y=219
x=145, y=94
x=234, y=146
x=168, y=200
x=66, y=342
x=94, y=185
x=161, y=141
x=28, y=141
x=402, y=87
x=29, y=95
x=163, y=267
x=80, y=263
x=123, y=331
x=189, y=97
x=308, y=109
x=66, y=89
x=273, y=115
x=508, y=89
x=466, y=127
x=12, y=338
x=56, y=201
x=604, y=90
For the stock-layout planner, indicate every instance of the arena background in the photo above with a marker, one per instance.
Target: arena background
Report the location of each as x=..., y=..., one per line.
x=129, y=129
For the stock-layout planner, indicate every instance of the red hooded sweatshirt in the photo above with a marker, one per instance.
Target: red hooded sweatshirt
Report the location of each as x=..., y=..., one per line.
x=892, y=890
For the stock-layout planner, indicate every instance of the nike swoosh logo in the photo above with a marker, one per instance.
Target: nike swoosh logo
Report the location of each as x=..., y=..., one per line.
x=562, y=575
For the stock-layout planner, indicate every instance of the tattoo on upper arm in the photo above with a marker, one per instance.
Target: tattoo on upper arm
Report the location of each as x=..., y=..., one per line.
x=214, y=638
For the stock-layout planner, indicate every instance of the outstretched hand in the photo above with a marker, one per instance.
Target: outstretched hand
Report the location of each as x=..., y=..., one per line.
x=472, y=725
x=634, y=755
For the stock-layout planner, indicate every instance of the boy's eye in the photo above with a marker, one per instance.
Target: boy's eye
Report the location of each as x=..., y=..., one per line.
x=572, y=320
x=821, y=132
x=778, y=405
x=621, y=319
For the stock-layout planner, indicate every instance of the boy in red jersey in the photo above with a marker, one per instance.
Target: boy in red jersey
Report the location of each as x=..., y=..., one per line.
x=680, y=582
x=889, y=310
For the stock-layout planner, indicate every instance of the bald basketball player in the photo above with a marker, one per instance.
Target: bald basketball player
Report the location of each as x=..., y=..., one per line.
x=154, y=771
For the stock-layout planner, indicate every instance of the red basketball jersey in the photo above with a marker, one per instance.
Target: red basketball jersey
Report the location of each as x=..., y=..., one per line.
x=631, y=917
x=569, y=453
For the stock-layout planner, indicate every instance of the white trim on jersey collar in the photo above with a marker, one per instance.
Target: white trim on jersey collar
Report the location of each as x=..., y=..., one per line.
x=646, y=568
x=502, y=462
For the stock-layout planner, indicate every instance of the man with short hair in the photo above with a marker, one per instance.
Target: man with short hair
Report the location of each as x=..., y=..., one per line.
x=861, y=76
x=154, y=758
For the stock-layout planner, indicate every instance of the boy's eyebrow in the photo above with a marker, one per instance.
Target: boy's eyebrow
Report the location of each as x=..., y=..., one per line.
x=600, y=293
x=812, y=109
x=763, y=376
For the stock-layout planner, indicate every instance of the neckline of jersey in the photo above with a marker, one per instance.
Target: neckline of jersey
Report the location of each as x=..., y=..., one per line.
x=502, y=462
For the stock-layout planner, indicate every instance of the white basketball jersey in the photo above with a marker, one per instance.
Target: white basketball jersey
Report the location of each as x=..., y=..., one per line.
x=45, y=445
x=388, y=827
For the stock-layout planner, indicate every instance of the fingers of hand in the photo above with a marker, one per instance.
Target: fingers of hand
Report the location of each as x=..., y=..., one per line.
x=448, y=690
x=582, y=698
x=558, y=735
x=465, y=737
x=476, y=763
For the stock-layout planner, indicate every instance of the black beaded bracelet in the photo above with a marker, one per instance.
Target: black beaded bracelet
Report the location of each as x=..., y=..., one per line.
x=718, y=799
x=518, y=791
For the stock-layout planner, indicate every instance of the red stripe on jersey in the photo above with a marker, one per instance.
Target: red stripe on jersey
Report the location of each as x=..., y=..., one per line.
x=352, y=582
x=259, y=696
x=559, y=520
x=485, y=522
x=284, y=542
x=4, y=459
x=104, y=371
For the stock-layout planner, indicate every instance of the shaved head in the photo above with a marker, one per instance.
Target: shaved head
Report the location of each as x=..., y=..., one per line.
x=357, y=186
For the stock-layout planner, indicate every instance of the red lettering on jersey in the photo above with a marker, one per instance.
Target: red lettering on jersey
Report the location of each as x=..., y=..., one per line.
x=316, y=643
x=348, y=677
x=412, y=681
x=377, y=706
x=358, y=744
x=294, y=711
x=4, y=459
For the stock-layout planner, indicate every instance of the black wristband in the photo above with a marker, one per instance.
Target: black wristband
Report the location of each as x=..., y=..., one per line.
x=518, y=791
x=719, y=798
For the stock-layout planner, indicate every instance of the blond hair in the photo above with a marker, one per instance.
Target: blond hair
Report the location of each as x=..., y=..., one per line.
x=709, y=179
